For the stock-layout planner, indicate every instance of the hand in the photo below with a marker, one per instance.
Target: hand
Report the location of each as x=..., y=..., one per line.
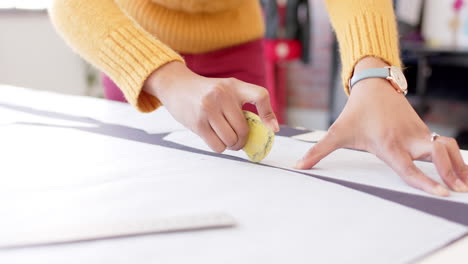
x=379, y=120
x=210, y=107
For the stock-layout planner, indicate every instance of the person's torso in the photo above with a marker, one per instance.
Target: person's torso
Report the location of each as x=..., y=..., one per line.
x=198, y=26
x=198, y=6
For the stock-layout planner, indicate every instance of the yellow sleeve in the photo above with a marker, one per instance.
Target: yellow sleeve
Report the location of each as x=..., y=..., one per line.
x=106, y=37
x=364, y=28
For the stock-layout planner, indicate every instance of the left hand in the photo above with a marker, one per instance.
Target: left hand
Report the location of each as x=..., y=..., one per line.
x=381, y=121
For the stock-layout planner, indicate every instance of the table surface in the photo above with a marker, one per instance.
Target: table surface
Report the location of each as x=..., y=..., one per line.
x=267, y=190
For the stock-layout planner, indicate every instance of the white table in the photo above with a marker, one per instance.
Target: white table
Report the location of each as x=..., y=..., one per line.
x=74, y=164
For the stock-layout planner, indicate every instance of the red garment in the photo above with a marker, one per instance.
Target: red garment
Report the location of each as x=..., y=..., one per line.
x=245, y=62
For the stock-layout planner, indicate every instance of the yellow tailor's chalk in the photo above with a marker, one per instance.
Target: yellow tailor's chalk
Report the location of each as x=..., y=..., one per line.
x=260, y=139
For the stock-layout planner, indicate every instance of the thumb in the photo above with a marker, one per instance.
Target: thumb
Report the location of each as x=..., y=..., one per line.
x=250, y=93
x=323, y=148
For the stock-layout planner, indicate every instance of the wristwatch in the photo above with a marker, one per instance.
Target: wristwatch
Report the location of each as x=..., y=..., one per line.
x=391, y=73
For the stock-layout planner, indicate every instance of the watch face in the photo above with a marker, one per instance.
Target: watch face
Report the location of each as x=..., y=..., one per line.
x=399, y=78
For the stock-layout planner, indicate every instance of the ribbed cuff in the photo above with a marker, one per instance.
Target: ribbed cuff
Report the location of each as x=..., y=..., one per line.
x=368, y=34
x=364, y=28
x=129, y=55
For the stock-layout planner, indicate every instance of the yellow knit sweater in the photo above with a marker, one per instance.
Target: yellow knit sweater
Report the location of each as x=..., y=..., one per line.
x=129, y=39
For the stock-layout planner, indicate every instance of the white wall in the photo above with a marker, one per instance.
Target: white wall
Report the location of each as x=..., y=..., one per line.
x=32, y=55
x=308, y=118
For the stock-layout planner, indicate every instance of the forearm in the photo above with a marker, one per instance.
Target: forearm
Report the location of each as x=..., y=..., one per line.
x=101, y=33
x=364, y=28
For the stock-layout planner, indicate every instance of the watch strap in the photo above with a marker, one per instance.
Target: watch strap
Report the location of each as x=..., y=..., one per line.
x=369, y=73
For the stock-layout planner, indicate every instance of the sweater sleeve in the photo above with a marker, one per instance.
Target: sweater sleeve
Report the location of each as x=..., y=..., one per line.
x=364, y=28
x=106, y=37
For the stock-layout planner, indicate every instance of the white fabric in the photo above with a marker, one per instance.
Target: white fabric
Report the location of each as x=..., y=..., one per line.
x=63, y=181
x=54, y=178
x=343, y=164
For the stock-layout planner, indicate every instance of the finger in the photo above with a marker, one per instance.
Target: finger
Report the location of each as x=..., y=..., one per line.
x=258, y=96
x=327, y=145
x=403, y=165
x=235, y=117
x=223, y=129
x=460, y=168
x=211, y=139
x=441, y=160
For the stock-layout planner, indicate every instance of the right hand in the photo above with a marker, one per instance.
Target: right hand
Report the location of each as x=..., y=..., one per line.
x=210, y=107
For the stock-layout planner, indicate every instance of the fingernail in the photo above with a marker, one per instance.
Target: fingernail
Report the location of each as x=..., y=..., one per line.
x=460, y=186
x=299, y=164
x=275, y=125
x=441, y=191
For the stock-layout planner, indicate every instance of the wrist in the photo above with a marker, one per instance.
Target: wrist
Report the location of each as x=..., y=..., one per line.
x=160, y=79
x=369, y=63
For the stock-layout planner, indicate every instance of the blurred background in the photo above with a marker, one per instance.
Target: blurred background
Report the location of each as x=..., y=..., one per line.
x=301, y=55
